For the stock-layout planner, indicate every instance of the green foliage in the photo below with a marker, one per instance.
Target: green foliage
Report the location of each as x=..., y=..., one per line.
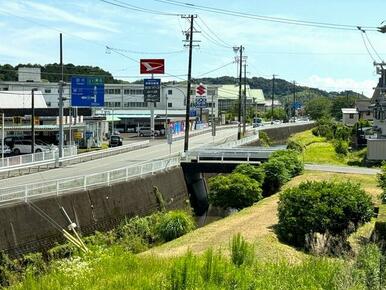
x=264, y=139
x=340, y=102
x=61, y=251
x=174, y=224
x=254, y=172
x=342, y=132
x=33, y=263
x=324, y=128
x=319, y=207
x=241, y=251
x=278, y=114
x=379, y=232
x=233, y=191
x=318, y=108
x=370, y=268
x=295, y=145
x=276, y=175
x=341, y=147
x=292, y=160
x=8, y=268
x=160, y=198
x=381, y=179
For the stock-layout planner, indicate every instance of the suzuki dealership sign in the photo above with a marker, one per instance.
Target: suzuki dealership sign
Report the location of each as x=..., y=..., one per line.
x=201, y=96
x=152, y=66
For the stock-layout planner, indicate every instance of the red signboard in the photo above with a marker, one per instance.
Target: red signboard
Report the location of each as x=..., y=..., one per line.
x=152, y=66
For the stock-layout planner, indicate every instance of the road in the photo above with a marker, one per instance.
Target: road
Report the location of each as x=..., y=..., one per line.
x=158, y=149
x=342, y=169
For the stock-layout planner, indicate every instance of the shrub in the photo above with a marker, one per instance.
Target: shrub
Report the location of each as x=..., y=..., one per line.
x=381, y=179
x=241, y=251
x=295, y=145
x=292, y=159
x=368, y=266
x=33, y=263
x=324, y=128
x=174, y=224
x=319, y=207
x=342, y=133
x=264, y=139
x=276, y=175
x=233, y=191
x=254, y=172
x=8, y=271
x=61, y=251
x=341, y=147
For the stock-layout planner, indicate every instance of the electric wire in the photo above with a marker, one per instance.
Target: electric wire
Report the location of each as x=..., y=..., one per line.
x=367, y=49
x=145, y=52
x=209, y=37
x=211, y=31
x=125, y=5
x=266, y=18
x=375, y=51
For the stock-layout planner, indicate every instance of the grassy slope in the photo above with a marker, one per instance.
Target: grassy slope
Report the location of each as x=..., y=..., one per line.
x=256, y=225
x=319, y=150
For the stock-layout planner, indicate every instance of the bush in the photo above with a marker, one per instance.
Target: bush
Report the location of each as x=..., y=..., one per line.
x=174, y=224
x=342, y=133
x=61, y=252
x=368, y=266
x=324, y=128
x=8, y=271
x=264, y=139
x=254, y=172
x=33, y=263
x=381, y=179
x=341, y=147
x=295, y=145
x=292, y=159
x=320, y=207
x=233, y=191
x=276, y=175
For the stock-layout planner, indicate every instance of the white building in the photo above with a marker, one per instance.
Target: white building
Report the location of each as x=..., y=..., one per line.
x=350, y=116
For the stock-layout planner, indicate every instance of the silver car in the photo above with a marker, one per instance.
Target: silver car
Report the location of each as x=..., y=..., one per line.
x=148, y=132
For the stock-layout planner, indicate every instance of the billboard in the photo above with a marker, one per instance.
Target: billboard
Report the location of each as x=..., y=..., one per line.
x=87, y=91
x=152, y=66
x=201, y=96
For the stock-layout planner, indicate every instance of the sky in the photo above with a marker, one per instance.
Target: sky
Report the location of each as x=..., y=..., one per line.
x=330, y=59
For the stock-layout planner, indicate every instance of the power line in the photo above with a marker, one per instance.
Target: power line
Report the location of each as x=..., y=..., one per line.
x=125, y=5
x=325, y=25
x=209, y=37
x=367, y=49
x=219, y=38
x=375, y=51
x=144, y=52
x=216, y=69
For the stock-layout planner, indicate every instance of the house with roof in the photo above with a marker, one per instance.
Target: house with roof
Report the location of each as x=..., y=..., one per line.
x=364, y=110
x=350, y=116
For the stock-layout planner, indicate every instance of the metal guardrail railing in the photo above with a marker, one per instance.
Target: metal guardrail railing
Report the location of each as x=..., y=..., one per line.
x=28, y=192
x=243, y=141
x=35, y=158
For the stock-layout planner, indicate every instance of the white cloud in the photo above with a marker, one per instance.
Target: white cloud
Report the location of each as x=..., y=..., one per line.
x=341, y=84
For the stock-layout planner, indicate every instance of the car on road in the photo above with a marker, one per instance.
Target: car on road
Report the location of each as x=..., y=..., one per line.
x=6, y=150
x=24, y=147
x=148, y=132
x=115, y=141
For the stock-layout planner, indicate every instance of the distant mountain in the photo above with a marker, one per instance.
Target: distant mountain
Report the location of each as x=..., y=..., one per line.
x=283, y=88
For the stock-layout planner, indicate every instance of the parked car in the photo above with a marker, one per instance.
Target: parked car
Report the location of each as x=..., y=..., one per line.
x=6, y=150
x=148, y=132
x=10, y=140
x=115, y=141
x=24, y=147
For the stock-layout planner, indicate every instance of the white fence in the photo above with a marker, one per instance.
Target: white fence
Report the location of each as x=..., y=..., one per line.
x=243, y=141
x=81, y=183
x=36, y=158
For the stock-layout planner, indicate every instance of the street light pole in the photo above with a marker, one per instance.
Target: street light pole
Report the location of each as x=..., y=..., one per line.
x=32, y=120
x=2, y=138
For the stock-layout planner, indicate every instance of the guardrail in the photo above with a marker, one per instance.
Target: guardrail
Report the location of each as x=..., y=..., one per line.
x=28, y=192
x=35, y=158
x=243, y=141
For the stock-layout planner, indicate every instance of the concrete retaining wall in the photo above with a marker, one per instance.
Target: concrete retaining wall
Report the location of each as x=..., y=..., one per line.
x=281, y=134
x=23, y=230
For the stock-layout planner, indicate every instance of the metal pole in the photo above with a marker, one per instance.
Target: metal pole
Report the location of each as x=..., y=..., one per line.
x=70, y=131
x=245, y=98
x=273, y=97
x=33, y=120
x=240, y=76
x=61, y=83
x=187, y=115
x=294, y=108
x=212, y=120
x=2, y=137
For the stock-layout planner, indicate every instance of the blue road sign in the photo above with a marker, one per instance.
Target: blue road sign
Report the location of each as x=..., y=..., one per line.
x=87, y=91
x=297, y=105
x=201, y=102
x=151, y=90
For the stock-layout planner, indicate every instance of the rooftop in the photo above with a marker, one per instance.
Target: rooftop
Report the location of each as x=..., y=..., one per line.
x=349, y=111
x=21, y=100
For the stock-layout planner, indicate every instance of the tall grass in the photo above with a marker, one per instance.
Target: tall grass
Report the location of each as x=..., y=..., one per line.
x=115, y=268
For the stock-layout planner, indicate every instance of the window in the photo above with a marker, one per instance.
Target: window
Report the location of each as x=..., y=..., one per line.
x=117, y=91
x=210, y=105
x=170, y=92
x=5, y=89
x=136, y=104
x=117, y=104
x=126, y=92
x=170, y=105
x=368, y=113
x=351, y=116
x=211, y=92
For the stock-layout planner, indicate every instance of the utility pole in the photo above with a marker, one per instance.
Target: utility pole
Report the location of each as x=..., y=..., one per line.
x=189, y=37
x=293, y=104
x=32, y=120
x=61, y=84
x=245, y=98
x=240, y=50
x=273, y=96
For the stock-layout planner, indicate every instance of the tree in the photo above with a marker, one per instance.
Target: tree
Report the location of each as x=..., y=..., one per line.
x=254, y=172
x=278, y=114
x=340, y=102
x=318, y=108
